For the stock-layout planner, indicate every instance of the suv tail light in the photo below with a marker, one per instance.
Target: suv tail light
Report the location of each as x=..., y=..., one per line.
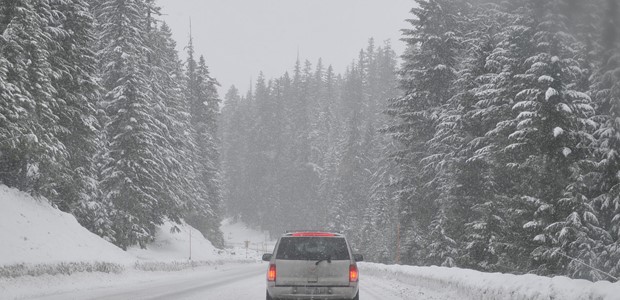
x=271, y=275
x=353, y=274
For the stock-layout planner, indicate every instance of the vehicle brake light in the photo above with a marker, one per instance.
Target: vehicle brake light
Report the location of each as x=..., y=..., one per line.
x=298, y=234
x=271, y=275
x=353, y=273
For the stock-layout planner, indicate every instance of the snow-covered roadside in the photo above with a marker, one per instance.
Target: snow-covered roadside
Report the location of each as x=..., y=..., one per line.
x=469, y=284
x=33, y=232
x=37, y=239
x=28, y=287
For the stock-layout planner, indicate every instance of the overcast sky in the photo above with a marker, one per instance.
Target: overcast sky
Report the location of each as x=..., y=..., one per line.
x=240, y=38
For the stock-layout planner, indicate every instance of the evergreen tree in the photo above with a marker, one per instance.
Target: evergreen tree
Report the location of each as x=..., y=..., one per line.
x=550, y=131
x=462, y=133
x=204, y=211
x=381, y=215
x=164, y=73
x=16, y=134
x=605, y=180
x=76, y=86
x=134, y=168
x=232, y=151
x=427, y=77
x=492, y=234
x=35, y=158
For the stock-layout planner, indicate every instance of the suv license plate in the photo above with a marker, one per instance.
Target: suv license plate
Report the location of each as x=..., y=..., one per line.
x=318, y=291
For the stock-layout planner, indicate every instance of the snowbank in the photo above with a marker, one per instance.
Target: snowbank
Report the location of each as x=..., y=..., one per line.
x=482, y=286
x=36, y=239
x=34, y=232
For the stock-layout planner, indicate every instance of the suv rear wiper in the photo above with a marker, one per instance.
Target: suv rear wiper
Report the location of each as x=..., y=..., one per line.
x=328, y=259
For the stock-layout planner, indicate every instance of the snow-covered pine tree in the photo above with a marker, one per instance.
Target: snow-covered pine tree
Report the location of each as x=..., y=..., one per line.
x=328, y=128
x=246, y=109
x=492, y=237
x=378, y=232
x=262, y=153
x=387, y=86
x=428, y=73
x=48, y=164
x=201, y=94
x=235, y=134
x=321, y=136
x=165, y=75
x=232, y=151
x=36, y=159
x=352, y=175
x=606, y=179
x=474, y=111
x=549, y=139
x=463, y=181
x=76, y=86
x=304, y=178
x=321, y=132
x=309, y=168
x=458, y=180
x=16, y=136
x=283, y=91
x=134, y=168
x=585, y=236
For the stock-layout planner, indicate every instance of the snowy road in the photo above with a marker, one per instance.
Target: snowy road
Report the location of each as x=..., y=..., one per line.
x=235, y=282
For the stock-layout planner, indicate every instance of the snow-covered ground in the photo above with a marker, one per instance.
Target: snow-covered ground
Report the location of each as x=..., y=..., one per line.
x=457, y=283
x=38, y=239
x=235, y=281
x=33, y=233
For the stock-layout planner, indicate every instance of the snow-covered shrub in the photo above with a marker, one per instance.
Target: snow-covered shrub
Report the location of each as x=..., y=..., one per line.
x=19, y=270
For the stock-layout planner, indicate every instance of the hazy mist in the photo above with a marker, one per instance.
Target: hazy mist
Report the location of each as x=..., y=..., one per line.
x=240, y=38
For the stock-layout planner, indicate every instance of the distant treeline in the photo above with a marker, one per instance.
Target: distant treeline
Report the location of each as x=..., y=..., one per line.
x=303, y=151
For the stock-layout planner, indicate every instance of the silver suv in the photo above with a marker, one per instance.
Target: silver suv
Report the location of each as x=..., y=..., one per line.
x=312, y=265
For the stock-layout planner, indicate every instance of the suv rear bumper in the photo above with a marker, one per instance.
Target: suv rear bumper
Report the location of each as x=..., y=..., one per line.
x=312, y=292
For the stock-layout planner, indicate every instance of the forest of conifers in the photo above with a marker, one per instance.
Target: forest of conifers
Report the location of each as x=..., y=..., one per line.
x=492, y=143
x=494, y=148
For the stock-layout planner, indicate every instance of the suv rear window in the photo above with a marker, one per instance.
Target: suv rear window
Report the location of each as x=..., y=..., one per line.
x=312, y=248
